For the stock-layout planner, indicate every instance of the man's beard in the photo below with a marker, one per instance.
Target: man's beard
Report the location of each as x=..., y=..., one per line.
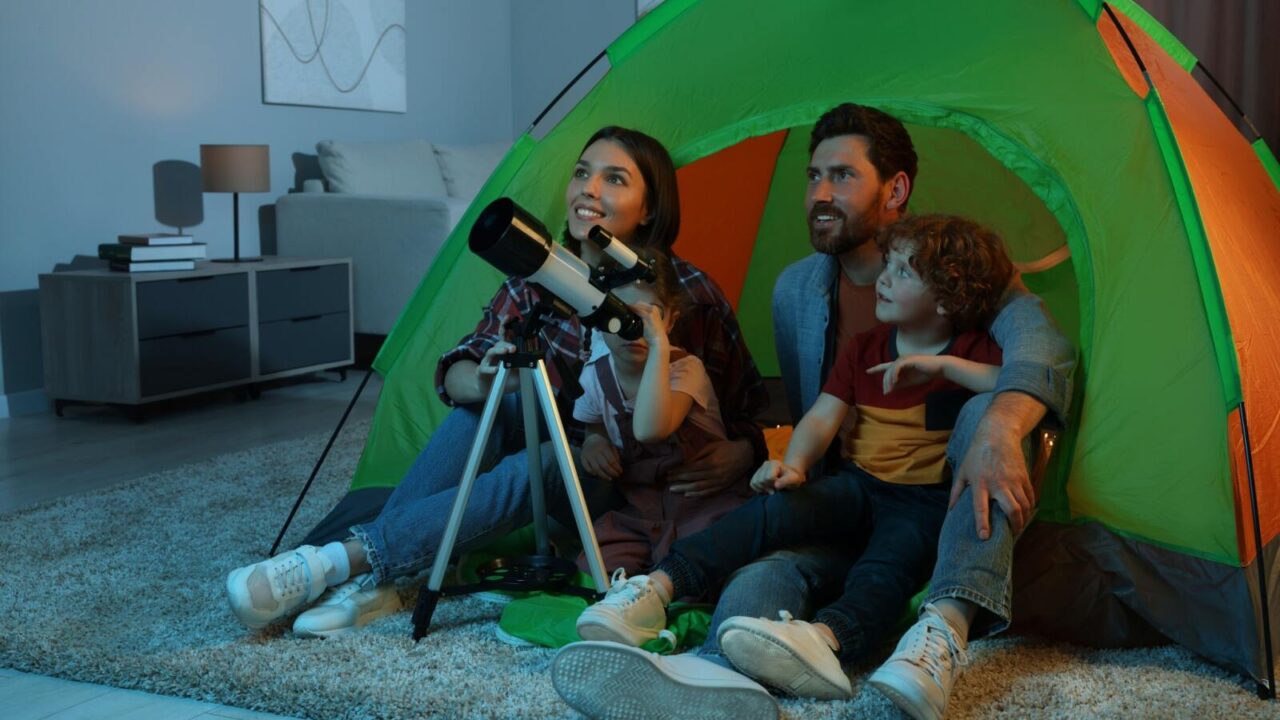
x=851, y=234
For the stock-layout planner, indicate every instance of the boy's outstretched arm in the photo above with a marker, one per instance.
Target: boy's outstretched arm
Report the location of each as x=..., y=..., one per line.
x=910, y=370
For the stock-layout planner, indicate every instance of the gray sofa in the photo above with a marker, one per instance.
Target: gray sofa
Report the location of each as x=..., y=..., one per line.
x=389, y=207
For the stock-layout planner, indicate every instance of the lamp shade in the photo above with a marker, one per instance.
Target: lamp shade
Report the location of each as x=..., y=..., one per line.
x=235, y=168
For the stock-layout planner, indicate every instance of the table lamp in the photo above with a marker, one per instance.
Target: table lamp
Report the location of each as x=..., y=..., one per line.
x=235, y=169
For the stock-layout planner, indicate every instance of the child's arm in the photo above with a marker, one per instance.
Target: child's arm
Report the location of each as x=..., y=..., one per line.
x=659, y=409
x=809, y=442
x=599, y=456
x=911, y=370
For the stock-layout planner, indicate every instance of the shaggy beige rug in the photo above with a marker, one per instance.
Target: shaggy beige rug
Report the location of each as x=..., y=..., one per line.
x=124, y=587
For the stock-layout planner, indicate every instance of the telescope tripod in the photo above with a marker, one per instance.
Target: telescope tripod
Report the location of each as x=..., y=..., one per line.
x=541, y=571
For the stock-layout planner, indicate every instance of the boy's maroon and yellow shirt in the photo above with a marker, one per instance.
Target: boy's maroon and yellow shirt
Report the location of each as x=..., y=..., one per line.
x=901, y=437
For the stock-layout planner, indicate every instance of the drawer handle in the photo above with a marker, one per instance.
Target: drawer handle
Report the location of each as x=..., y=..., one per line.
x=305, y=269
x=197, y=333
x=202, y=278
x=305, y=319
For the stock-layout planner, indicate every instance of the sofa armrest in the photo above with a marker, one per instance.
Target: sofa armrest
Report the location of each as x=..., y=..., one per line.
x=391, y=241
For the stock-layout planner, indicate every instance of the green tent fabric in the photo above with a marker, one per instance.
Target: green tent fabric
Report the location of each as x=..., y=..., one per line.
x=1028, y=117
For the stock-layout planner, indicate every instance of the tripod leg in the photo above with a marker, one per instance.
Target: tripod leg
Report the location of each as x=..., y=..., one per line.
x=573, y=488
x=431, y=595
x=537, y=494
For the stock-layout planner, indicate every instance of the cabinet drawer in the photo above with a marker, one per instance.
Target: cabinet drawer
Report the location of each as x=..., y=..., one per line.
x=210, y=302
x=179, y=362
x=303, y=292
x=288, y=344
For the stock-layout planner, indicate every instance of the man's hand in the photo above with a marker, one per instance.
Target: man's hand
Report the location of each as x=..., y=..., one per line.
x=717, y=466
x=773, y=476
x=995, y=469
x=600, y=458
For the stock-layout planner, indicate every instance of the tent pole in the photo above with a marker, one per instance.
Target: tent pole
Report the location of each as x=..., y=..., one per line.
x=1230, y=99
x=316, y=470
x=568, y=87
x=1267, y=691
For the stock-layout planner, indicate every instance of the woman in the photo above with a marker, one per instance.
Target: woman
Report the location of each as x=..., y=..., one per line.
x=625, y=182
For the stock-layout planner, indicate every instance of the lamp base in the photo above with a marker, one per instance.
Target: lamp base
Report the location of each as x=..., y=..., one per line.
x=236, y=260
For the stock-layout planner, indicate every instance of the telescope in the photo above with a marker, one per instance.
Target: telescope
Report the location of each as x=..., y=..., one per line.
x=509, y=238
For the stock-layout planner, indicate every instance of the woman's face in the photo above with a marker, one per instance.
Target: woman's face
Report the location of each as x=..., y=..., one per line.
x=606, y=189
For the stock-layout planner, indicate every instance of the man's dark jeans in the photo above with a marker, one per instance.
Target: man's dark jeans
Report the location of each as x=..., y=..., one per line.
x=891, y=529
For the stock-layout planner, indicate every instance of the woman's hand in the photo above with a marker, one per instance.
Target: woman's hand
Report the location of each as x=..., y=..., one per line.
x=600, y=458
x=488, y=366
x=773, y=476
x=719, y=465
x=909, y=370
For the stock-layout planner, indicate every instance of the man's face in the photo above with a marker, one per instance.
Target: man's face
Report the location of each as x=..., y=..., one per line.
x=844, y=197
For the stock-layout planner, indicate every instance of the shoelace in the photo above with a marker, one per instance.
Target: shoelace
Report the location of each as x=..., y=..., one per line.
x=291, y=577
x=624, y=590
x=936, y=650
x=345, y=590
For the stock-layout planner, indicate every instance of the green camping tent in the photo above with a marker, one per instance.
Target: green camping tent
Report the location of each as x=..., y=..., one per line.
x=1142, y=216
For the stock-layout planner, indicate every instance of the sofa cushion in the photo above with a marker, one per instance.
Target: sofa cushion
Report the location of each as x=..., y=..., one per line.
x=403, y=168
x=466, y=167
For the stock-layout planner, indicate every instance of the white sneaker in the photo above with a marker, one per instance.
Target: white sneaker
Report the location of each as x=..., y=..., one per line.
x=617, y=682
x=352, y=604
x=266, y=591
x=633, y=612
x=918, y=677
x=789, y=655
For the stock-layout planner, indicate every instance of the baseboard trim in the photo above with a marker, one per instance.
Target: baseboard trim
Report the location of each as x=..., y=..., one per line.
x=27, y=402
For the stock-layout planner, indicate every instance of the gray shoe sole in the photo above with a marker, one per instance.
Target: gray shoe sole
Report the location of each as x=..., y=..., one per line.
x=909, y=706
x=763, y=658
x=620, y=683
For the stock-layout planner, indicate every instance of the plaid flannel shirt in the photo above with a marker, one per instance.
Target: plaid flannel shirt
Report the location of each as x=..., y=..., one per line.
x=710, y=330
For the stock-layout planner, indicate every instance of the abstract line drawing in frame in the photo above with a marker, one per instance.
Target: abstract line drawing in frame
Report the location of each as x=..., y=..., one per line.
x=334, y=53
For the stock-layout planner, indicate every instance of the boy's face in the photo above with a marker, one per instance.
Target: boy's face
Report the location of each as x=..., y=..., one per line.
x=902, y=298
x=633, y=352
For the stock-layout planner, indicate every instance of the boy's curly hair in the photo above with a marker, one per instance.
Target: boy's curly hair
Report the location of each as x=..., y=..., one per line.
x=962, y=262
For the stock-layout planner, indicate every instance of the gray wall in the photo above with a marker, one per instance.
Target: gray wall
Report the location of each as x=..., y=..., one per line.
x=93, y=94
x=551, y=41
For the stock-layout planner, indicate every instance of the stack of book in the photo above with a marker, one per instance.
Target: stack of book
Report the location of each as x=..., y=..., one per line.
x=152, y=252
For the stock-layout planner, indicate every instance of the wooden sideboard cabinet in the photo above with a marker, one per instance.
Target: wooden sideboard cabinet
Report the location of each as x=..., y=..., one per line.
x=132, y=338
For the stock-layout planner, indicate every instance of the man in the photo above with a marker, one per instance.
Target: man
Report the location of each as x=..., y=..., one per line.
x=861, y=176
x=860, y=179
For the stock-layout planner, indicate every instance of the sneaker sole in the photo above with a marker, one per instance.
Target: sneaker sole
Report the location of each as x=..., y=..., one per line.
x=763, y=658
x=900, y=699
x=621, y=683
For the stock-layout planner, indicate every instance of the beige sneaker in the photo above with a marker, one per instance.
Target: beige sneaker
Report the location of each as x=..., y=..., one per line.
x=918, y=677
x=267, y=591
x=789, y=655
x=352, y=604
x=633, y=612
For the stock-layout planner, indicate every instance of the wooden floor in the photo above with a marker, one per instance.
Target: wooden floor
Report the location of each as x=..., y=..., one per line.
x=43, y=457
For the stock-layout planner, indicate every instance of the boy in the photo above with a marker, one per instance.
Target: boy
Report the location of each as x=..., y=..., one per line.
x=905, y=380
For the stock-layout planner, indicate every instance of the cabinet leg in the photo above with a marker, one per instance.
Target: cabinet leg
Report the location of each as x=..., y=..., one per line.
x=254, y=391
x=58, y=405
x=137, y=414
